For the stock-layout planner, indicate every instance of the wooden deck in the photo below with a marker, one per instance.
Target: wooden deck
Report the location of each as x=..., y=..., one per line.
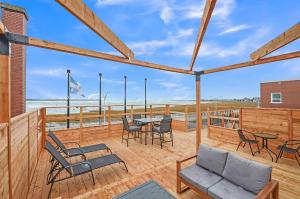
x=150, y=162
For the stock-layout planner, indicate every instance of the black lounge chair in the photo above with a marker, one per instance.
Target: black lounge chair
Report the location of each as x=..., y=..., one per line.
x=245, y=139
x=59, y=164
x=291, y=147
x=165, y=127
x=71, y=152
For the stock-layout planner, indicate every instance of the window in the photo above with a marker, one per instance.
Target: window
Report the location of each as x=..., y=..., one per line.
x=276, y=98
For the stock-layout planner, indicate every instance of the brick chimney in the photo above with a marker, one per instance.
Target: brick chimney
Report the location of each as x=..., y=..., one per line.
x=15, y=19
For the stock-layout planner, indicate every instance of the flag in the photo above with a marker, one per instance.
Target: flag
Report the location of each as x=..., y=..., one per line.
x=75, y=87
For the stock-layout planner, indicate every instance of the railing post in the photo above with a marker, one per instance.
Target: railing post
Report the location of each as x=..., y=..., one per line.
x=208, y=121
x=43, y=126
x=290, y=124
x=151, y=111
x=186, y=119
x=81, y=124
x=167, y=109
x=81, y=117
x=109, y=120
x=240, y=119
x=131, y=111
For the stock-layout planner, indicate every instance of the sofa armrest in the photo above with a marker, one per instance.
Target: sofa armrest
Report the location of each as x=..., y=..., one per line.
x=186, y=159
x=178, y=169
x=271, y=188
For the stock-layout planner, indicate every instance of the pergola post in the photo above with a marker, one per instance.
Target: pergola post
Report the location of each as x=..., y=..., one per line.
x=5, y=111
x=198, y=112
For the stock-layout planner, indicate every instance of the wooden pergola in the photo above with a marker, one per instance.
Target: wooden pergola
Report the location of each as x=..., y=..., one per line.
x=80, y=10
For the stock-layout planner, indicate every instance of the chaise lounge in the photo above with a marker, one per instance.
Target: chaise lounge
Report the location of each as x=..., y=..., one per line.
x=60, y=164
x=221, y=174
x=76, y=151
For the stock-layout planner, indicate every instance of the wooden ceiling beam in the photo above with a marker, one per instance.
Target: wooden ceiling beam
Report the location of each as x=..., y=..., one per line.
x=283, y=39
x=254, y=62
x=89, y=53
x=209, y=7
x=80, y=10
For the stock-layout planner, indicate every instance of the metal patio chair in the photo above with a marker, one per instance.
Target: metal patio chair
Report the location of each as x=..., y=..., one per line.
x=165, y=127
x=246, y=140
x=290, y=147
x=60, y=164
x=131, y=129
x=76, y=151
x=164, y=117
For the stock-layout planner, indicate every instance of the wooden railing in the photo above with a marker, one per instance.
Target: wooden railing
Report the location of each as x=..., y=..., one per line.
x=285, y=123
x=88, y=116
x=20, y=148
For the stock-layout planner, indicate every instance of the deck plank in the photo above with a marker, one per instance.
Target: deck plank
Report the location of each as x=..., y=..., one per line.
x=147, y=162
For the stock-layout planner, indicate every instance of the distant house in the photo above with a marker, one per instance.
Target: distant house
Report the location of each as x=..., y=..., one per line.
x=280, y=94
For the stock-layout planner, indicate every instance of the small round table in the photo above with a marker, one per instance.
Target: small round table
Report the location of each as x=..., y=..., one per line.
x=265, y=137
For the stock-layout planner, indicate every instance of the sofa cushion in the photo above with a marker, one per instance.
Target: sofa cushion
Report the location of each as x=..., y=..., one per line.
x=250, y=175
x=226, y=189
x=211, y=158
x=199, y=177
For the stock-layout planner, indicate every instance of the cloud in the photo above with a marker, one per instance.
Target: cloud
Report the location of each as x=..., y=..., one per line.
x=235, y=29
x=112, y=81
x=150, y=47
x=213, y=49
x=113, y=2
x=222, y=10
x=166, y=14
x=55, y=72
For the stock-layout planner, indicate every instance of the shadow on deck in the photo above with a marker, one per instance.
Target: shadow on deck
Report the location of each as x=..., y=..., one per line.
x=147, y=162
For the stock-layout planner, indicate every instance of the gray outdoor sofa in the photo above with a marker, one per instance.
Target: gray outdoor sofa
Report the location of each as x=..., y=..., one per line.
x=221, y=174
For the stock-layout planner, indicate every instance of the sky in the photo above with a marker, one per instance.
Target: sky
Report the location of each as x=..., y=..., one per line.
x=164, y=32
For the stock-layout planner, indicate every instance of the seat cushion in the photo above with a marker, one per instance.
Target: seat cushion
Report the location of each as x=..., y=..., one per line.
x=225, y=189
x=211, y=158
x=248, y=174
x=134, y=128
x=199, y=177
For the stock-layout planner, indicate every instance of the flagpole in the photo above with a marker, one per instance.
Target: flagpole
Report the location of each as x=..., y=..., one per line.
x=145, y=97
x=125, y=81
x=68, y=99
x=100, y=94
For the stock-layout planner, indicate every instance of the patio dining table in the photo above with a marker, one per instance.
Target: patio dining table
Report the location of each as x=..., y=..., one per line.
x=265, y=137
x=149, y=121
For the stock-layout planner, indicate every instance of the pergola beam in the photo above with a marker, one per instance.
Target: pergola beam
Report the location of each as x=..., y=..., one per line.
x=255, y=62
x=80, y=10
x=283, y=39
x=209, y=7
x=24, y=40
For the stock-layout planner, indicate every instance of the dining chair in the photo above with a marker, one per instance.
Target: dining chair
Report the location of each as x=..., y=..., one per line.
x=244, y=139
x=290, y=147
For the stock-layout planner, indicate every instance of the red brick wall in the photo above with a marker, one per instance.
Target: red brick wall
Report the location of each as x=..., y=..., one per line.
x=290, y=94
x=16, y=22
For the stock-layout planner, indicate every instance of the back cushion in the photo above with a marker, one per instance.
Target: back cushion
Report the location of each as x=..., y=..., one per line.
x=248, y=174
x=211, y=158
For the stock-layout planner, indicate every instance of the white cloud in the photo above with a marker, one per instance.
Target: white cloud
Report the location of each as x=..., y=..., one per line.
x=55, y=72
x=235, y=29
x=113, y=2
x=150, y=47
x=113, y=81
x=213, y=49
x=222, y=10
x=166, y=14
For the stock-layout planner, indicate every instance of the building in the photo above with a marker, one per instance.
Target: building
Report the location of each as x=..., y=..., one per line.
x=280, y=94
x=15, y=20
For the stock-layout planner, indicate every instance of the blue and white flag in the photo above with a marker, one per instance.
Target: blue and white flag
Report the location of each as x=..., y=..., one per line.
x=75, y=87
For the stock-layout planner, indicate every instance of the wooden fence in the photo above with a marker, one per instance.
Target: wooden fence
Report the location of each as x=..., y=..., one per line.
x=110, y=124
x=285, y=123
x=20, y=147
